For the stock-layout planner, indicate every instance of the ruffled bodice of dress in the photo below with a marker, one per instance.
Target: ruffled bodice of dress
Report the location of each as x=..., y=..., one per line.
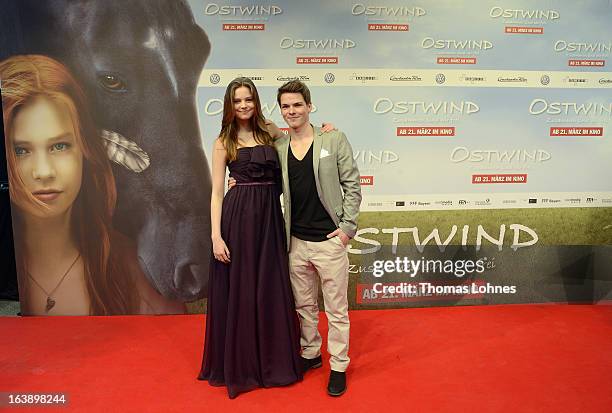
x=255, y=164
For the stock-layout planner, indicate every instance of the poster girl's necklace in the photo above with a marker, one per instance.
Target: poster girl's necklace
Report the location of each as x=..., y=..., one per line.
x=50, y=300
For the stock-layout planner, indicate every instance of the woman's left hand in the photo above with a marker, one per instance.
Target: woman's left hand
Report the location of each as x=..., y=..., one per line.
x=327, y=127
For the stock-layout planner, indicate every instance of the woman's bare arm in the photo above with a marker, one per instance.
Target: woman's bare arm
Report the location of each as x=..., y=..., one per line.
x=219, y=163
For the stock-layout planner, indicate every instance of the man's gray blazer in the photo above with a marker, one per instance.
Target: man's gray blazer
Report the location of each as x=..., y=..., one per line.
x=336, y=177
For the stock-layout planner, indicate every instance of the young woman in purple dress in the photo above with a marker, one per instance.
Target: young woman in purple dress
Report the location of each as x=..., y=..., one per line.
x=252, y=331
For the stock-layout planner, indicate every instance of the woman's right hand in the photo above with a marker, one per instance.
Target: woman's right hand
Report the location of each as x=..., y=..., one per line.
x=220, y=251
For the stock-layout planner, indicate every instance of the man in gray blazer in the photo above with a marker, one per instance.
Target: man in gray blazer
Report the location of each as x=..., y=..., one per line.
x=321, y=196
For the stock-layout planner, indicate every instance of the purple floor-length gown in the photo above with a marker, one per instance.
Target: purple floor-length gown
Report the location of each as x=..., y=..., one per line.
x=252, y=333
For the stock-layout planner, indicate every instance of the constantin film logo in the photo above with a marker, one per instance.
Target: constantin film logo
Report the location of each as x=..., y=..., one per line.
x=405, y=78
x=512, y=79
x=301, y=78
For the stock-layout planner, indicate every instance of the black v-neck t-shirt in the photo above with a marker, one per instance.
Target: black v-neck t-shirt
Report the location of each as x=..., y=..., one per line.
x=309, y=219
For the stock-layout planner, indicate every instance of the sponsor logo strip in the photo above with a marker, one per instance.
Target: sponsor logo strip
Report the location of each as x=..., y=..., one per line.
x=459, y=201
x=306, y=69
x=492, y=200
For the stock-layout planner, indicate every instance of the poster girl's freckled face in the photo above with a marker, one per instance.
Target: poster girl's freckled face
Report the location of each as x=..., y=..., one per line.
x=244, y=105
x=49, y=160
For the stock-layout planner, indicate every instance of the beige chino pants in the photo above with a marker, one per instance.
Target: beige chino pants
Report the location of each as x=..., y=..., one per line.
x=327, y=262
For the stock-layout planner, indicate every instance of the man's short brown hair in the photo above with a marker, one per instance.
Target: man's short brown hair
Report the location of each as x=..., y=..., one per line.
x=294, y=86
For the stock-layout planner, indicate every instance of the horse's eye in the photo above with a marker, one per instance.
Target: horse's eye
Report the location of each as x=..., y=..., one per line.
x=112, y=82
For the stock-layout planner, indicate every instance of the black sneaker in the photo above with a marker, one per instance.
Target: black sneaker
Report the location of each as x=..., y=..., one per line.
x=337, y=383
x=308, y=364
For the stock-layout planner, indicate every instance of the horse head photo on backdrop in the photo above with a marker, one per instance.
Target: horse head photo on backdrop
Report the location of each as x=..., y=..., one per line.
x=139, y=62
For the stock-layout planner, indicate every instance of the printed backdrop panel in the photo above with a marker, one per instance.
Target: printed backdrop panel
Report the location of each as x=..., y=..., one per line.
x=481, y=131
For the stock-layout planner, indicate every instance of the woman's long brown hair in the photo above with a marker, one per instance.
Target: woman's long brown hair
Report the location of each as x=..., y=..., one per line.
x=229, y=127
x=110, y=287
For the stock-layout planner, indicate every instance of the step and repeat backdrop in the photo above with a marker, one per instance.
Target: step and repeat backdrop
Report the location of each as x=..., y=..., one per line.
x=481, y=131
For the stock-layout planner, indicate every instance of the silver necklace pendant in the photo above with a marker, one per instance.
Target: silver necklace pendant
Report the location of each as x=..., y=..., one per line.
x=50, y=304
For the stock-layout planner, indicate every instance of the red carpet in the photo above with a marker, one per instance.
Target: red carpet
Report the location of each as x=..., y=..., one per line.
x=532, y=358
